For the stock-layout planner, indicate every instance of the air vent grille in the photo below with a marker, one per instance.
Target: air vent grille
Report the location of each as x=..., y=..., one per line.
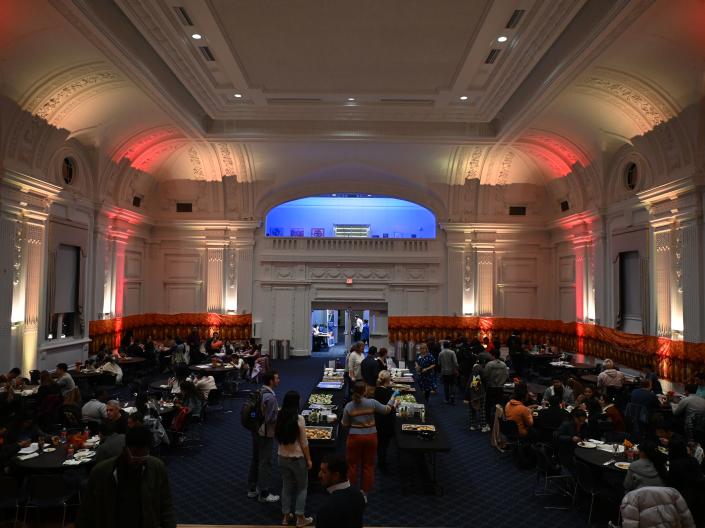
x=289, y=100
x=207, y=54
x=492, y=56
x=183, y=16
x=184, y=207
x=515, y=18
x=565, y=205
x=407, y=101
x=517, y=210
x=352, y=230
x=136, y=201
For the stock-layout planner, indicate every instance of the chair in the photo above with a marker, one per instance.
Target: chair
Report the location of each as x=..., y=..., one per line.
x=34, y=377
x=638, y=417
x=550, y=470
x=10, y=495
x=510, y=432
x=71, y=418
x=215, y=399
x=586, y=481
x=47, y=491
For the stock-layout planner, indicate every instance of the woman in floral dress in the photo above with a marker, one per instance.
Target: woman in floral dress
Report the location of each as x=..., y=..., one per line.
x=426, y=369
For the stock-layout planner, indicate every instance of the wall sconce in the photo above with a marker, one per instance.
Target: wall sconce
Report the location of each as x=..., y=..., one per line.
x=63, y=336
x=50, y=336
x=231, y=312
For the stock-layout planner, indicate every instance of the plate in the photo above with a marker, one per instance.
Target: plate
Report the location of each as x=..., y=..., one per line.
x=587, y=445
x=662, y=449
x=49, y=449
x=29, y=450
x=319, y=433
x=607, y=448
x=621, y=465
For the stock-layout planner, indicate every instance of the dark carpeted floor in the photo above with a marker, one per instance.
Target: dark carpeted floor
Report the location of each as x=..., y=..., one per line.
x=210, y=482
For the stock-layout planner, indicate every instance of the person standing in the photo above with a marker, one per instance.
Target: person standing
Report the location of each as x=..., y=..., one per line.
x=384, y=422
x=365, y=337
x=345, y=505
x=426, y=369
x=359, y=417
x=448, y=362
x=294, y=458
x=353, y=366
x=476, y=399
x=370, y=368
x=270, y=381
x=495, y=375
x=131, y=489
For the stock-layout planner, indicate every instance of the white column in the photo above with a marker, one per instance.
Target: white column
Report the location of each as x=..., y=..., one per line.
x=231, y=279
x=215, y=283
x=662, y=281
x=485, y=289
x=7, y=292
x=34, y=290
x=599, y=284
x=245, y=255
x=691, y=282
x=469, y=274
x=455, y=279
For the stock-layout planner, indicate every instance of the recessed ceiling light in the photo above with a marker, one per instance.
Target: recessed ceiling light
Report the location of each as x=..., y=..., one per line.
x=463, y=97
x=196, y=36
x=238, y=95
x=351, y=99
x=369, y=196
x=501, y=38
x=334, y=194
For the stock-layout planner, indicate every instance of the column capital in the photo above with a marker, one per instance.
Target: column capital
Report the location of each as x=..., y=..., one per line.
x=25, y=196
x=672, y=202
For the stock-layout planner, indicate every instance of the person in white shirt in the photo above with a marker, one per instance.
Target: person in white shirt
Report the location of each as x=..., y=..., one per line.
x=240, y=366
x=205, y=384
x=64, y=379
x=95, y=409
x=354, y=363
x=112, y=367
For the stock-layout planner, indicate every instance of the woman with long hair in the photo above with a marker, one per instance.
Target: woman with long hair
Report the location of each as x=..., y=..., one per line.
x=359, y=416
x=192, y=398
x=294, y=458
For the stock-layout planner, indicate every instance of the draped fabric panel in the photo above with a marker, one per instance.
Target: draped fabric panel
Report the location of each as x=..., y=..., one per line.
x=674, y=360
x=162, y=326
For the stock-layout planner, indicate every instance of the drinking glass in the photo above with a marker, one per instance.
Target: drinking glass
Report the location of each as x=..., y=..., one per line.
x=615, y=448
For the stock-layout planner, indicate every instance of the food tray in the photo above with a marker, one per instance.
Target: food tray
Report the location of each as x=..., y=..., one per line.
x=321, y=399
x=335, y=385
x=406, y=398
x=415, y=428
x=318, y=432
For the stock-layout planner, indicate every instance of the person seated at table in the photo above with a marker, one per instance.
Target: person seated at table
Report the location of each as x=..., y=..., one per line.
x=700, y=382
x=112, y=367
x=686, y=475
x=151, y=419
x=47, y=386
x=575, y=385
x=9, y=445
x=650, y=373
x=130, y=490
x=134, y=349
x=557, y=386
x=648, y=470
x=13, y=377
x=73, y=402
x=116, y=417
x=94, y=409
x=613, y=414
x=345, y=505
x=111, y=442
x=570, y=432
x=181, y=374
x=215, y=343
x=551, y=418
x=135, y=419
x=239, y=366
x=645, y=396
x=610, y=377
x=205, y=384
x=190, y=397
x=692, y=410
x=64, y=379
x=517, y=412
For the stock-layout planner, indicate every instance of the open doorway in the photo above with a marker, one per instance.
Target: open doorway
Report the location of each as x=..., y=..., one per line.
x=336, y=325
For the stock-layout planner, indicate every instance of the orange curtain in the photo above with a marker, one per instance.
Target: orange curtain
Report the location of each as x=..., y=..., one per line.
x=161, y=326
x=675, y=360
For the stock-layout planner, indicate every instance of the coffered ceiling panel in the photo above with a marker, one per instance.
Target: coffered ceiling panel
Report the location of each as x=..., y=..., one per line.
x=367, y=46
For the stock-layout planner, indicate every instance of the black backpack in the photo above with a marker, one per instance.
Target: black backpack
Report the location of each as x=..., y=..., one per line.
x=251, y=415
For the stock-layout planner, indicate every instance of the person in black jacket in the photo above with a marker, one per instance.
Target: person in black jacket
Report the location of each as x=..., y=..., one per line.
x=384, y=422
x=686, y=475
x=370, y=368
x=568, y=435
x=345, y=505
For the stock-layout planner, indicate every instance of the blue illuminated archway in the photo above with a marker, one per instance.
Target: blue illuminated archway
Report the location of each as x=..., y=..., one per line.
x=348, y=214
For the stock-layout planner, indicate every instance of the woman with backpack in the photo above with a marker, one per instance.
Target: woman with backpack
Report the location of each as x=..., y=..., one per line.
x=475, y=395
x=294, y=459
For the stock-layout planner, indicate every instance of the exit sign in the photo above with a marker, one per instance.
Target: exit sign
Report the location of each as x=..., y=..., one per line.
x=348, y=281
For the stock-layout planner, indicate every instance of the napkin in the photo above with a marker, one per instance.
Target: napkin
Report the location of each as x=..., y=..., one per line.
x=71, y=462
x=27, y=457
x=130, y=410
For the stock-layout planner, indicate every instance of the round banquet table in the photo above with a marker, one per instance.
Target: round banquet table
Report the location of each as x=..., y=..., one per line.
x=47, y=462
x=90, y=375
x=161, y=385
x=610, y=475
x=211, y=370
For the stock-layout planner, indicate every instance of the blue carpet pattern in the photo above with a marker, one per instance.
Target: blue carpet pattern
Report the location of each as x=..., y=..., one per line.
x=209, y=482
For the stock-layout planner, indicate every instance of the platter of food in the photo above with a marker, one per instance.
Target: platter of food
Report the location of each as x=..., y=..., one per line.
x=319, y=433
x=321, y=399
x=415, y=428
x=406, y=398
x=335, y=385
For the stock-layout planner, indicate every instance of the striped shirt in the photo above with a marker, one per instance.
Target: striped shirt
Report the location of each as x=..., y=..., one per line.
x=360, y=417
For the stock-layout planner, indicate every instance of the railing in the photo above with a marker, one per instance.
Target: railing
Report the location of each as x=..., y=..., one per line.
x=674, y=360
x=351, y=244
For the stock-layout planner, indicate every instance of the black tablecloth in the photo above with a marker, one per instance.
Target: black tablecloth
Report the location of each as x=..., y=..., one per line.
x=53, y=461
x=597, y=457
x=409, y=441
